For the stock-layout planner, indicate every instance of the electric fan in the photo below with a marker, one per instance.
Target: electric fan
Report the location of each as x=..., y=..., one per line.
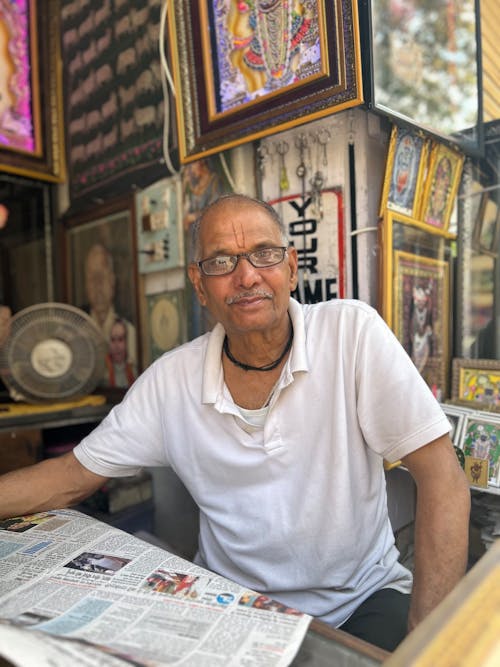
x=54, y=352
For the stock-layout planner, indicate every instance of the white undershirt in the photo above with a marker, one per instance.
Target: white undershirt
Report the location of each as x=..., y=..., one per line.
x=255, y=417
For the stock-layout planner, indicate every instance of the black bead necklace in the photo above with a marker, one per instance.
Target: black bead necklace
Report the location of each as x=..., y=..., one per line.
x=267, y=367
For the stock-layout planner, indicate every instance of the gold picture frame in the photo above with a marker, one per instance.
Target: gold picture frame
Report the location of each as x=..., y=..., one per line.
x=441, y=186
x=31, y=122
x=404, y=172
x=476, y=383
x=232, y=89
x=415, y=294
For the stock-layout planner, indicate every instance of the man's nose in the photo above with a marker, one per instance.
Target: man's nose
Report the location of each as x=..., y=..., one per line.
x=245, y=273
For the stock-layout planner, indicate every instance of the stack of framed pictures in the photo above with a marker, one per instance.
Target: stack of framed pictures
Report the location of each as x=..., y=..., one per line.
x=476, y=437
x=420, y=186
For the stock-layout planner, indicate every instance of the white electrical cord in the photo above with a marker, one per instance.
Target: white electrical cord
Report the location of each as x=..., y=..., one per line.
x=230, y=180
x=166, y=78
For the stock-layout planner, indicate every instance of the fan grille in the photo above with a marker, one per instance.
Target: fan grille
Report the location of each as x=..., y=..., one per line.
x=54, y=351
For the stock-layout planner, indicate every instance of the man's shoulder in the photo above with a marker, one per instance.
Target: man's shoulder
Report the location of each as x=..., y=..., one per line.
x=345, y=308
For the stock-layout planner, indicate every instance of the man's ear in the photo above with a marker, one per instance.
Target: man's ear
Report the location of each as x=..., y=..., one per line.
x=293, y=263
x=195, y=278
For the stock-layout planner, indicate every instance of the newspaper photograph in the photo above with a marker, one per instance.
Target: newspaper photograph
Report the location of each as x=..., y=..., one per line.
x=74, y=590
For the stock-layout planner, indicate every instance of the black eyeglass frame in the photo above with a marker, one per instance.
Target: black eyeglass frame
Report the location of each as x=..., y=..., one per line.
x=245, y=255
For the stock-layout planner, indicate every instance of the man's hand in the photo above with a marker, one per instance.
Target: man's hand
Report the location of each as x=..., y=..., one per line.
x=50, y=484
x=441, y=525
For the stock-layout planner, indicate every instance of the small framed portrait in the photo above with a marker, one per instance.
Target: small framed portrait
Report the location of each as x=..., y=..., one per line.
x=487, y=228
x=476, y=383
x=421, y=314
x=243, y=70
x=31, y=128
x=441, y=186
x=405, y=169
x=481, y=442
x=101, y=271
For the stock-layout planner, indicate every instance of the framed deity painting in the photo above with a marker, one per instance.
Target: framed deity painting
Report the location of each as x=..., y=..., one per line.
x=101, y=279
x=441, y=186
x=31, y=130
x=480, y=443
x=244, y=70
x=476, y=383
x=405, y=169
x=421, y=314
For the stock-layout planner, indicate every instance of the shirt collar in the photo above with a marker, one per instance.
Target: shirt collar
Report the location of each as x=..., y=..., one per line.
x=213, y=376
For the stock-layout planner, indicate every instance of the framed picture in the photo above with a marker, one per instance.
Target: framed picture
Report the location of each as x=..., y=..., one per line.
x=481, y=442
x=487, y=227
x=415, y=76
x=421, y=315
x=441, y=186
x=241, y=72
x=166, y=322
x=405, y=169
x=456, y=416
x=31, y=131
x=476, y=383
x=160, y=235
x=399, y=232
x=101, y=270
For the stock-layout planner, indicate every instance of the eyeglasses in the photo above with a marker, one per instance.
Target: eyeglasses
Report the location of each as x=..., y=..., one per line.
x=220, y=265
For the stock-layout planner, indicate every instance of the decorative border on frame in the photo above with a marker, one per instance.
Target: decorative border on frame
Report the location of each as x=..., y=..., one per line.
x=45, y=161
x=200, y=74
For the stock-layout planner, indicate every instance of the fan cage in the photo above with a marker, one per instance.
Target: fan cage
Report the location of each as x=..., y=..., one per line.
x=61, y=322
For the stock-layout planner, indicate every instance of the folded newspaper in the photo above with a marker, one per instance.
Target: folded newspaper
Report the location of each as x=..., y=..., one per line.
x=74, y=590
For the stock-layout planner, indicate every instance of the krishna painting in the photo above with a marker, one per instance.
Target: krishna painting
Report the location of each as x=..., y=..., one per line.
x=263, y=46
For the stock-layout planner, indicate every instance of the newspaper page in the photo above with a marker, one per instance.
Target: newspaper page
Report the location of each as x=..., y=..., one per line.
x=74, y=590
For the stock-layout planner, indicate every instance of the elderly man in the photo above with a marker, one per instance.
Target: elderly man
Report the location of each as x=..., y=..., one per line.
x=278, y=422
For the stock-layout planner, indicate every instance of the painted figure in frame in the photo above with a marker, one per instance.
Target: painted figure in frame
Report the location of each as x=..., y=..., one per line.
x=405, y=171
x=100, y=284
x=264, y=46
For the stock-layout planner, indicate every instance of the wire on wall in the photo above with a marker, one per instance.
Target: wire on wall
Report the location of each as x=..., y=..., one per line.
x=166, y=81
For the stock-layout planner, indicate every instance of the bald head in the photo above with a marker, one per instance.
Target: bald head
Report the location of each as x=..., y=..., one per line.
x=222, y=204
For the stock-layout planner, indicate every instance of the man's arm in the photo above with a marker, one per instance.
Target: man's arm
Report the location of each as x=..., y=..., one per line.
x=50, y=484
x=441, y=525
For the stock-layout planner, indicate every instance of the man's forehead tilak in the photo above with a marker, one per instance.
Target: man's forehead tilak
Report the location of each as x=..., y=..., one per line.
x=239, y=234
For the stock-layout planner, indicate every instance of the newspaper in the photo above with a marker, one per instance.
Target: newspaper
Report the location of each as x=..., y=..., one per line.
x=74, y=590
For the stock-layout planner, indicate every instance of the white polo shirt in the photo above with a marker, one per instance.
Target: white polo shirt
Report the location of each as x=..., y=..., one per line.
x=296, y=510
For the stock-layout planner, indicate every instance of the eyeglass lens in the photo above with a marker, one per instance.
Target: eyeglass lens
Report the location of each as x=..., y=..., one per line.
x=261, y=258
